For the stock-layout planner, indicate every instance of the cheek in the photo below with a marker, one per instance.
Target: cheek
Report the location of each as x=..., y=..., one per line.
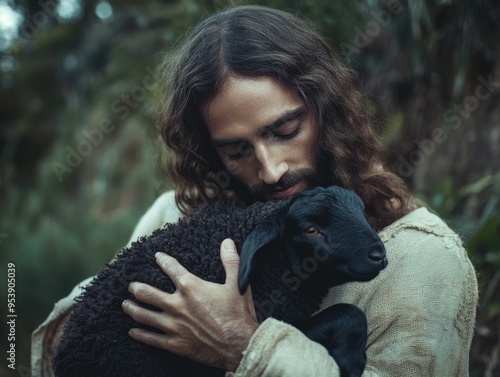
x=307, y=148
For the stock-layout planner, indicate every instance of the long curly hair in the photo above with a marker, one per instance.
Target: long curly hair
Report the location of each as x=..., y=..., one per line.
x=254, y=41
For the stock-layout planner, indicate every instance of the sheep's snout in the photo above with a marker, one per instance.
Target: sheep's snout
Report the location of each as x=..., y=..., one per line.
x=365, y=258
x=377, y=255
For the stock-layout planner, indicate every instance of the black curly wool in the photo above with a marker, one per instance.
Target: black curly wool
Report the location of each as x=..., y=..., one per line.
x=95, y=340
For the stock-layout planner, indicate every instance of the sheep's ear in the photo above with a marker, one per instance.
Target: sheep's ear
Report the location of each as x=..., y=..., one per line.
x=262, y=235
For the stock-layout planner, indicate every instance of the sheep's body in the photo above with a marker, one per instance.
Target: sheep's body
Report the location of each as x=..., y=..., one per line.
x=95, y=340
x=323, y=231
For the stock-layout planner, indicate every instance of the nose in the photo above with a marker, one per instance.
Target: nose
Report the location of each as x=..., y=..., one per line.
x=377, y=254
x=271, y=165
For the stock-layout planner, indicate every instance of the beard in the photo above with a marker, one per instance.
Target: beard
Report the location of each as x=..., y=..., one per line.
x=320, y=175
x=308, y=177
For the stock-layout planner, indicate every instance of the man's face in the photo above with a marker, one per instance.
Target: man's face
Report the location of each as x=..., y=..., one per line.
x=265, y=135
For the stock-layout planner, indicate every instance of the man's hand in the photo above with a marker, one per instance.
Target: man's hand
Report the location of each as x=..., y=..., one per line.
x=207, y=322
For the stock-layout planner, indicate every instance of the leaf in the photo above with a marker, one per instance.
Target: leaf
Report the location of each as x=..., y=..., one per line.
x=485, y=242
x=475, y=187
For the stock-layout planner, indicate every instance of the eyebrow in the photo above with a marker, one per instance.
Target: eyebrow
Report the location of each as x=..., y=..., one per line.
x=287, y=116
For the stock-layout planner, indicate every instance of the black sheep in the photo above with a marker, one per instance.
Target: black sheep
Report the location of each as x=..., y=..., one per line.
x=315, y=240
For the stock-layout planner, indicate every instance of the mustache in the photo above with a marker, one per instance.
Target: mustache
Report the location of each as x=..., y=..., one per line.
x=289, y=179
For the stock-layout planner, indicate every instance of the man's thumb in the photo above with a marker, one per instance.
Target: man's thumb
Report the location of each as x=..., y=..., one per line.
x=230, y=259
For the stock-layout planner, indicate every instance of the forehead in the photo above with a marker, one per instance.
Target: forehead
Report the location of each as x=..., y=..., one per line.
x=246, y=103
x=326, y=205
x=313, y=204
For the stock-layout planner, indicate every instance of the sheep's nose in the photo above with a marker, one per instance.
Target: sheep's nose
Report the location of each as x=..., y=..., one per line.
x=377, y=255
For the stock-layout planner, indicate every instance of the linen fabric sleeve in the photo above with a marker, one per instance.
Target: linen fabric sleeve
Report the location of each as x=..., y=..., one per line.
x=279, y=349
x=425, y=325
x=420, y=312
x=163, y=210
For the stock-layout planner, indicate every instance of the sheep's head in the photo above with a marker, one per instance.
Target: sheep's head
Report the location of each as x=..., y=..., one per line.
x=326, y=237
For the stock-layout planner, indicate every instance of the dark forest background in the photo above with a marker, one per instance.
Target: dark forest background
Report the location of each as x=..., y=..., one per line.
x=79, y=152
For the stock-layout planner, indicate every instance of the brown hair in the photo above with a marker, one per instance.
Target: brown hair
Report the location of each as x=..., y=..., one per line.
x=254, y=41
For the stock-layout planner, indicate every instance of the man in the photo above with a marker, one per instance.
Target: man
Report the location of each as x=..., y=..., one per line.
x=258, y=107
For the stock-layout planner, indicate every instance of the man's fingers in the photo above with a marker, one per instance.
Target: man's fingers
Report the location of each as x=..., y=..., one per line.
x=148, y=294
x=230, y=260
x=144, y=316
x=162, y=341
x=175, y=271
x=148, y=337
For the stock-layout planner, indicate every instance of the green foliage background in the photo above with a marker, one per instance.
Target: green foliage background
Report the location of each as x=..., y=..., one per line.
x=62, y=78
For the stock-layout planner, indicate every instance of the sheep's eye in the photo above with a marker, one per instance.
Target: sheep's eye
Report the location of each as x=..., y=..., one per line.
x=311, y=231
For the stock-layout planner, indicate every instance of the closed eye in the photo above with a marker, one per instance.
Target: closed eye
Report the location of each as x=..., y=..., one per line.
x=285, y=130
x=290, y=135
x=286, y=127
x=241, y=149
